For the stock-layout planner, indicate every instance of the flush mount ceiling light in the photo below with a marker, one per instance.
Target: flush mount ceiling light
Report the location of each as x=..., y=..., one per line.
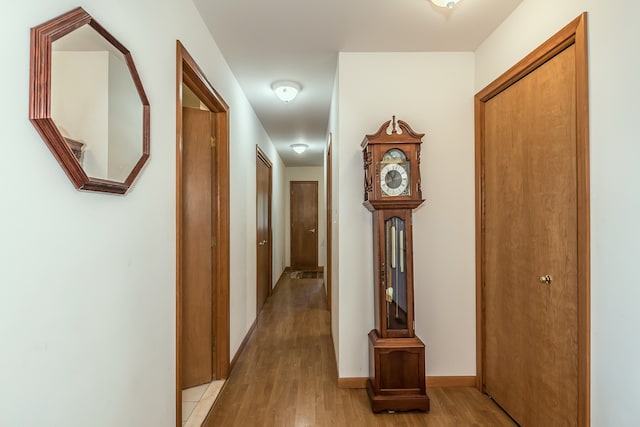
x=286, y=90
x=299, y=148
x=445, y=3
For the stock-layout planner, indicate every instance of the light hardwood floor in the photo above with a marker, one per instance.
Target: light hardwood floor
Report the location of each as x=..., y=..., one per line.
x=287, y=376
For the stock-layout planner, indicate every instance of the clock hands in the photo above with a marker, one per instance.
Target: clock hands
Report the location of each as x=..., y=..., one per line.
x=393, y=179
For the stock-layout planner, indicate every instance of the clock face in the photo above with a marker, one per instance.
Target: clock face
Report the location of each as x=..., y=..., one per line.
x=394, y=174
x=394, y=179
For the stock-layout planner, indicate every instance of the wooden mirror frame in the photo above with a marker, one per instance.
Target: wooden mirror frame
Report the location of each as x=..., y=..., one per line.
x=42, y=38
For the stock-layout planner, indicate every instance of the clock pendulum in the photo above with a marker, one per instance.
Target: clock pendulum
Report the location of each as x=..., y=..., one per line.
x=392, y=189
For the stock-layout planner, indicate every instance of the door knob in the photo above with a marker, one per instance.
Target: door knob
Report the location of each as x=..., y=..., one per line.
x=545, y=279
x=313, y=230
x=262, y=243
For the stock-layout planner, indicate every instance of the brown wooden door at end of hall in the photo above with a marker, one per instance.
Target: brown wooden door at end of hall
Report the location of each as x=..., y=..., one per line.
x=197, y=327
x=304, y=224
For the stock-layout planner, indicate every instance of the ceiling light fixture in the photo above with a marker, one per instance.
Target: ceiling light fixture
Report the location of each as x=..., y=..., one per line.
x=286, y=90
x=445, y=3
x=299, y=148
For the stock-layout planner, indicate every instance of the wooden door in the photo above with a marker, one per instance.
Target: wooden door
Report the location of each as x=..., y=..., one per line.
x=197, y=286
x=532, y=243
x=263, y=228
x=304, y=224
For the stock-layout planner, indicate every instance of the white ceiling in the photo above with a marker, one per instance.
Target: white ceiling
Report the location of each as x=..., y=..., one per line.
x=266, y=41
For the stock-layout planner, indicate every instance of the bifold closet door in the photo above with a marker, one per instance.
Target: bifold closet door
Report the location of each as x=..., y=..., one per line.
x=530, y=293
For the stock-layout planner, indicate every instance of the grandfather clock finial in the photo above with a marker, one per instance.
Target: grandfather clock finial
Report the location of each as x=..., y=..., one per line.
x=393, y=129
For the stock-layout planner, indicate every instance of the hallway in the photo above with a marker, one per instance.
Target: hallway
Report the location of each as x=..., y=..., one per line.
x=286, y=376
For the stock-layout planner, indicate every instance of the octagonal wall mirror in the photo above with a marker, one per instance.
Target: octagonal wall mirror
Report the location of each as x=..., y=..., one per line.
x=87, y=102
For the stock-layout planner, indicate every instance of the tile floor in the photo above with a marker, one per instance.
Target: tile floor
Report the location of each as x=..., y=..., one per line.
x=197, y=401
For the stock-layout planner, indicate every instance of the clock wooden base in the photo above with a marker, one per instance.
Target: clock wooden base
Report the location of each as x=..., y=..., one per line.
x=397, y=375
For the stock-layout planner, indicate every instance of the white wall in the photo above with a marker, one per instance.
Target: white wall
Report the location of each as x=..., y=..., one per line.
x=433, y=92
x=87, y=295
x=615, y=181
x=306, y=174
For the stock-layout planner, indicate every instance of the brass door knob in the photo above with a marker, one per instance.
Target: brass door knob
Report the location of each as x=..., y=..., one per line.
x=545, y=279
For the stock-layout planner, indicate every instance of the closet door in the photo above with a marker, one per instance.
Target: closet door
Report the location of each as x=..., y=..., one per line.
x=530, y=284
x=198, y=356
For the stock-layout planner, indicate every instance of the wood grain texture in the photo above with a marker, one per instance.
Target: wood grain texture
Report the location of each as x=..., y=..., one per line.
x=286, y=376
x=374, y=146
x=451, y=381
x=197, y=292
x=584, y=222
x=556, y=177
x=432, y=381
x=397, y=374
x=304, y=224
x=530, y=220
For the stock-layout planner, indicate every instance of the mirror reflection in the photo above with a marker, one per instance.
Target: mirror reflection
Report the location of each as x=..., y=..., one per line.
x=95, y=104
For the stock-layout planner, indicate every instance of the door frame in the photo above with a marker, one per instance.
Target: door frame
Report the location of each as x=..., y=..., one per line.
x=575, y=33
x=262, y=157
x=189, y=73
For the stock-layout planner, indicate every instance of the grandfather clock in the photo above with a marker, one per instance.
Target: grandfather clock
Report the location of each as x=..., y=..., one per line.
x=391, y=191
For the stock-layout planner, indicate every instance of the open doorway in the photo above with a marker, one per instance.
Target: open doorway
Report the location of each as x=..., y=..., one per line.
x=202, y=230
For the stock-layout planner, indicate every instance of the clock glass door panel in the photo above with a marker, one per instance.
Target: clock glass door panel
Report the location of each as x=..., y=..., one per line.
x=396, y=274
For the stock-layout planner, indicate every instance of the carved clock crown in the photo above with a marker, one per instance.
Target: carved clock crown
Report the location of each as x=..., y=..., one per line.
x=406, y=135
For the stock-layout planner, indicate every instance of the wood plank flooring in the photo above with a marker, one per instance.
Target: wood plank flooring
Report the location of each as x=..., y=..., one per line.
x=287, y=376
